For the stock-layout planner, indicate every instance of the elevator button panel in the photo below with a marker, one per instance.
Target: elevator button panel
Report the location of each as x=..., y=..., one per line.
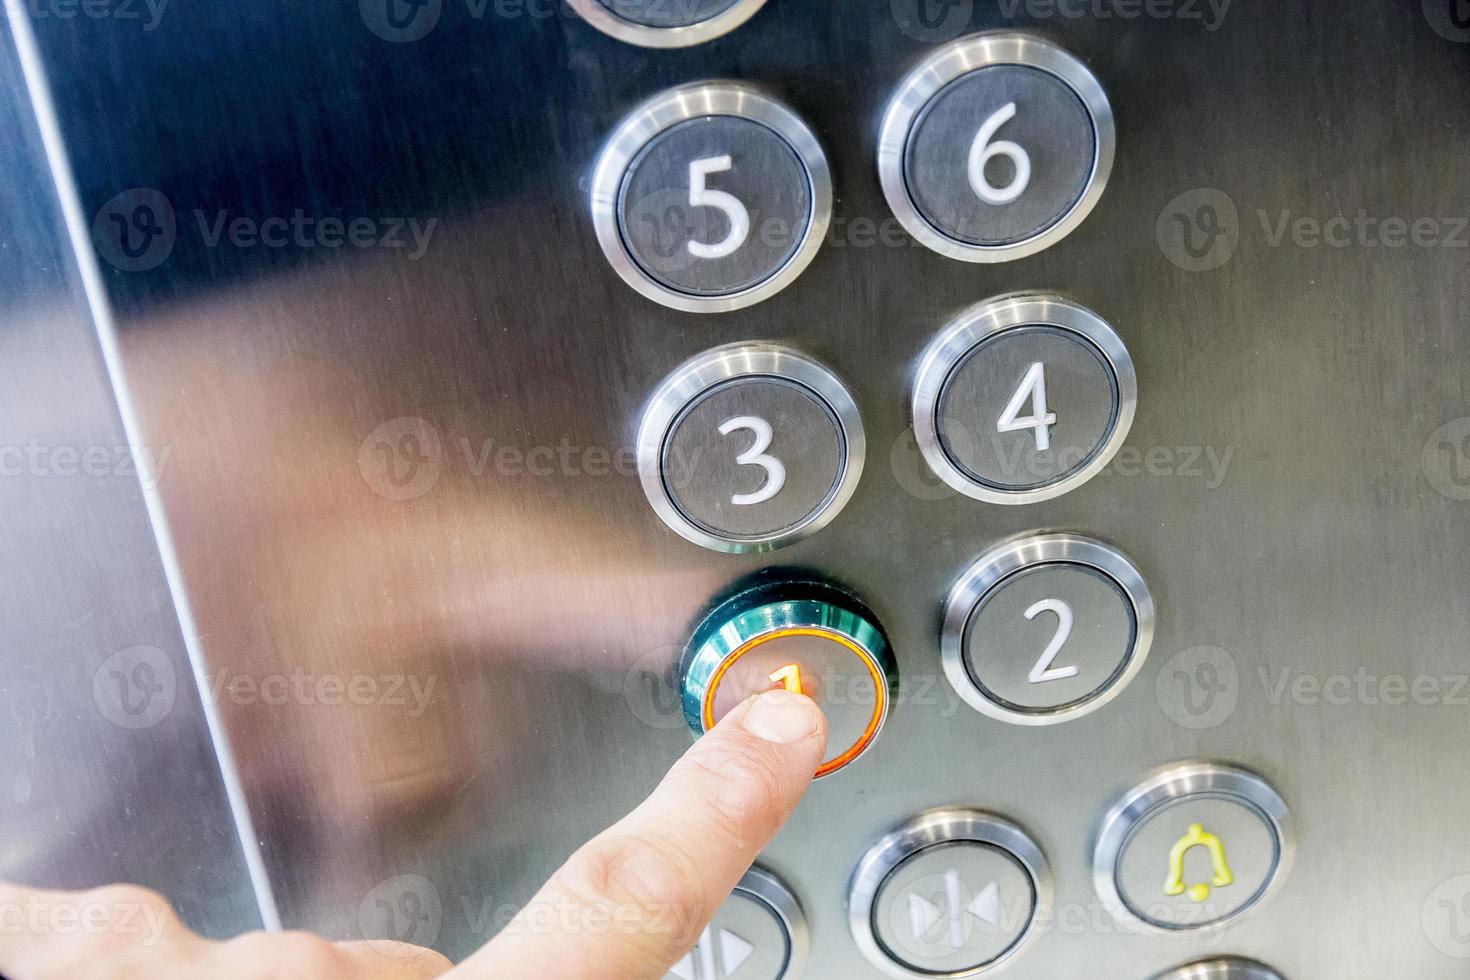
x=1023, y=398
x=995, y=147
x=1194, y=846
x=951, y=893
x=711, y=197
x=800, y=636
x=759, y=933
x=1046, y=629
x=750, y=447
x=1225, y=968
x=666, y=23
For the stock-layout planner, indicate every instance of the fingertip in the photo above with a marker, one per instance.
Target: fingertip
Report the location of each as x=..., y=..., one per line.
x=783, y=718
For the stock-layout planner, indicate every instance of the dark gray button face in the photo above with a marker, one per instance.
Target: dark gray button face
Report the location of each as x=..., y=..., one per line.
x=953, y=907
x=1196, y=861
x=1034, y=165
x=1049, y=637
x=746, y=940
x=999, y=449
x=753, y=457
x=668, y=13
x=714, y=205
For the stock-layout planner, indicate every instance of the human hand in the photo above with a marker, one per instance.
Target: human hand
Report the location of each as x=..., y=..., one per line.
x=650, y=883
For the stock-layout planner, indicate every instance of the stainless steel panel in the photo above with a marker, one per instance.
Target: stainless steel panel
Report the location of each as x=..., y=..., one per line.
x=1283, y=488
x=107, y=768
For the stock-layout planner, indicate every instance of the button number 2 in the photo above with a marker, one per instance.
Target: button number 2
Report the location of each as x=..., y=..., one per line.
x=756, y=456
x=1044, y=671
x=700, y=196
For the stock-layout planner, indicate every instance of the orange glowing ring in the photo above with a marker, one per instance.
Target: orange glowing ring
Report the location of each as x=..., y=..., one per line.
x=880, y=684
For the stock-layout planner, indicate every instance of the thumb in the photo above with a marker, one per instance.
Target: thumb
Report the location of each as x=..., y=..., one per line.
x=633, y=900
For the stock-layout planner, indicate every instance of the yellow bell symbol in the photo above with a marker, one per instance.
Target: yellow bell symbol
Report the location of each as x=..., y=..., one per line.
x=1197, y=837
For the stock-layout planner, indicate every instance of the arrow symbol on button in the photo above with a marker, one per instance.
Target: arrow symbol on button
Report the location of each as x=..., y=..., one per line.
x=986, y=906
x=700, y=963
x=925, y=915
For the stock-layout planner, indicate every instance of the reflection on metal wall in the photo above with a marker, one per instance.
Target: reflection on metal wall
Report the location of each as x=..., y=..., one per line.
x=107, y=769
x=364, y=309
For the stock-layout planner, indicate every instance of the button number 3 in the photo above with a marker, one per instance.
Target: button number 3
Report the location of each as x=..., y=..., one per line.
x=1044, y=671
x=700, y=196
x=982, y=151
x=756, y=456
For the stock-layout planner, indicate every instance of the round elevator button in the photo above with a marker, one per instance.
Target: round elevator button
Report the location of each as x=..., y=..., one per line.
x=1194, y=846
x=797, y=636
x=711, y=197
x=1226, y=968
x=995, y=147
x=666, y=23
x=952, y=893
x=749, y=227
x=749, y=447
x=1046, y=629
x=1055, y=131
x=759, y=933
x=1023, y=398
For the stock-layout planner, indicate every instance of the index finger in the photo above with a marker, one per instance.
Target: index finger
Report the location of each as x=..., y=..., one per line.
x=633, y=900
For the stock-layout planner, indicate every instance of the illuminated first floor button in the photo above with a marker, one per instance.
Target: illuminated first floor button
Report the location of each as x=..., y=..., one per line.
x=759, y=933
x=800, y=636
x=1227, y=968
x=1196, y=845
x=952, y=893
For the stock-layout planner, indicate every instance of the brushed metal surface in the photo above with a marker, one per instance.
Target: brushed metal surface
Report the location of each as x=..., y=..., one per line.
x=407, y=455
x=107, y=769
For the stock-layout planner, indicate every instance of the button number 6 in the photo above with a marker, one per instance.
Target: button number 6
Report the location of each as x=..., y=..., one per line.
x=982, y=151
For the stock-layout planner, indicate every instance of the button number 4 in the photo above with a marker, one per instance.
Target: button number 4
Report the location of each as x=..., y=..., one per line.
x=1032, y=388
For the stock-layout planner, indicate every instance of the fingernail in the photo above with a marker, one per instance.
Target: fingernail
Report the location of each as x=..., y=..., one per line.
x=782, y=717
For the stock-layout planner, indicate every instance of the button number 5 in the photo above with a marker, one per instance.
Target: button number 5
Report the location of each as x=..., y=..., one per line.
x=756, y=456
x=701, y=196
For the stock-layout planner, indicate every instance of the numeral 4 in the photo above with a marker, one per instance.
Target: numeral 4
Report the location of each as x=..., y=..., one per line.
x=1032, y=388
